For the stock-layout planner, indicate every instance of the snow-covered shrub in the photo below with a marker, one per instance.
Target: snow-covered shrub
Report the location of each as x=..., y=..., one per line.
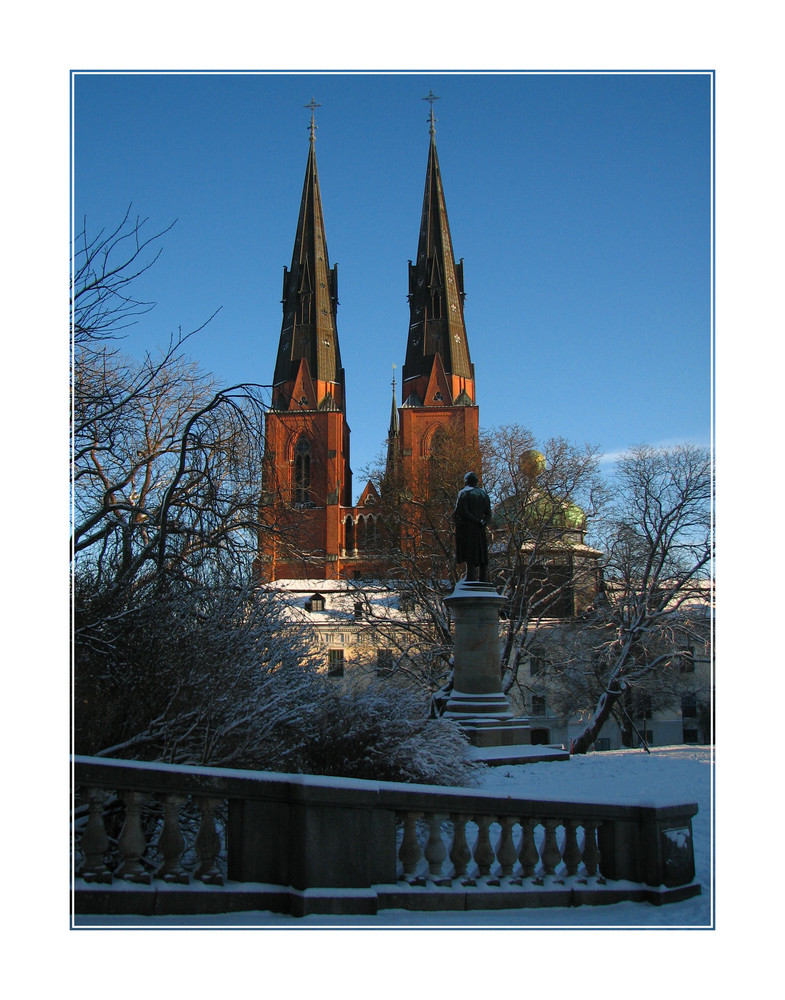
x=378, y=730
x=217, y=677
x=190, y=675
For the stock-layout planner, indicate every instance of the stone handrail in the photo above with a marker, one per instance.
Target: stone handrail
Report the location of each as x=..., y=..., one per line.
x=304, y=843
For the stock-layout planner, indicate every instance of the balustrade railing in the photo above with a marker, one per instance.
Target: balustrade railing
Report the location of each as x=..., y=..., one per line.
x=299, y=843
x=460, y=848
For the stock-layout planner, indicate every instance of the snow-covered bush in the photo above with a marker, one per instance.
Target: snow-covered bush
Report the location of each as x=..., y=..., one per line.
x=188, y=675
x=379, y=730
x=215, y=676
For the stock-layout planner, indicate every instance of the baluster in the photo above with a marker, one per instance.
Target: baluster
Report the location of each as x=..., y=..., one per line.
x=527, y=852
x=435, y=851
x=505, y=848
x=94, y=842
x=171, y=843
x=208, y=843
x=460, y=855
x=551, y=855
x=132, y=843
x=572, y=853
x=409, y=852
x=483, y=850
x=591, y=852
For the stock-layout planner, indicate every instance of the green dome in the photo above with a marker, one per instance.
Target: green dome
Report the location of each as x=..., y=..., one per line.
x=574, y=516
x=565, y=514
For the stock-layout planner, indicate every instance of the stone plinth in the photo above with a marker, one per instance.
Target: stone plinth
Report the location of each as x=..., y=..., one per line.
x=477, y=702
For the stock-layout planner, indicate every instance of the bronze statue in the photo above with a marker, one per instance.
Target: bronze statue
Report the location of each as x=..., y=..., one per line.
x=472, y=512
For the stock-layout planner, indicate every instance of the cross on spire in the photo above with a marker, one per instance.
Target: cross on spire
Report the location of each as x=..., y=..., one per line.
x=431, y=118
x=313, y=126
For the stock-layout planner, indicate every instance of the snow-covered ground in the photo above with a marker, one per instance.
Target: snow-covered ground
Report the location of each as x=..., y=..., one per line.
x=678, y=774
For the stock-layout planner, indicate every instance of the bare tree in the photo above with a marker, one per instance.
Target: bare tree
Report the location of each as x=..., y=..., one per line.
x=165, y=464
x=659, y=551
x=103, y=269
x=543, y=501
x=165, y=482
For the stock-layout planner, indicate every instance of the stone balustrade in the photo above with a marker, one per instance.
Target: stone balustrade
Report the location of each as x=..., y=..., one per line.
x=192, y=840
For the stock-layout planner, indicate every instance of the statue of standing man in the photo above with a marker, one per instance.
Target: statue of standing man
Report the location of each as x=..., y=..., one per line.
x=472, y=512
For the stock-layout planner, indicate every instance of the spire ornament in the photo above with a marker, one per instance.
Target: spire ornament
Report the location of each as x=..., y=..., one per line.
x=432, y=119
x=313, y=126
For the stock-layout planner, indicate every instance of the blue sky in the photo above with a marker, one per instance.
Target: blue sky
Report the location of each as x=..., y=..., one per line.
x=581, y=204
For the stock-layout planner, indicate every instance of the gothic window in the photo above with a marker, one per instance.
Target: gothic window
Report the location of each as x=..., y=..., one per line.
x=434, y=444
x=302, y=472
x=349, y=539
x=359, y=534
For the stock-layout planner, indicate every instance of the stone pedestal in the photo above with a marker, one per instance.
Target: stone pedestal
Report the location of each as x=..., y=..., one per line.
x=477, y=702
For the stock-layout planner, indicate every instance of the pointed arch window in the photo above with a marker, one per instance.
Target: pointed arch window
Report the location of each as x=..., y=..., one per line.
x=302, y=472
x=434, y=443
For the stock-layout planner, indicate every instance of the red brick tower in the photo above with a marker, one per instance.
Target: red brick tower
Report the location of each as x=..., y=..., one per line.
x=308, y=479
x=438, y=376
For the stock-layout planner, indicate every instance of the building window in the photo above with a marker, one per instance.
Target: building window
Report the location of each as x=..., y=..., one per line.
x=406, y=602
x=538, y=705
x=315, y=602
x=643, y=706
x=689, y=706
x=302, y=472
x=384, y=662
x=335, y=663
x=536, y=665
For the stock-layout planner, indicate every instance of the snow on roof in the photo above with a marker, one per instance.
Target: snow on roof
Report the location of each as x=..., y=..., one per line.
x=341, y=600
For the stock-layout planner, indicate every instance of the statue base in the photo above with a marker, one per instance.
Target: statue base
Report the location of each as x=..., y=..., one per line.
x=477, y=702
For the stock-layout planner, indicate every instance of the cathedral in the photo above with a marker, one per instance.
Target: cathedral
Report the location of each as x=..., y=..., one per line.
x=310, y=527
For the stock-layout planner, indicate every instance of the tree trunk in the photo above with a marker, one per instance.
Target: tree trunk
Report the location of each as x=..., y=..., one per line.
x=601, y=715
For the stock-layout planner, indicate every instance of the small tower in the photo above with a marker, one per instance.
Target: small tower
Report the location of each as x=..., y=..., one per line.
x=393, y=445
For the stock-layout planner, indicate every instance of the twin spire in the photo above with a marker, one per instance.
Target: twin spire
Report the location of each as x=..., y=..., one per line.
x=308, y=350
x=437, y=370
